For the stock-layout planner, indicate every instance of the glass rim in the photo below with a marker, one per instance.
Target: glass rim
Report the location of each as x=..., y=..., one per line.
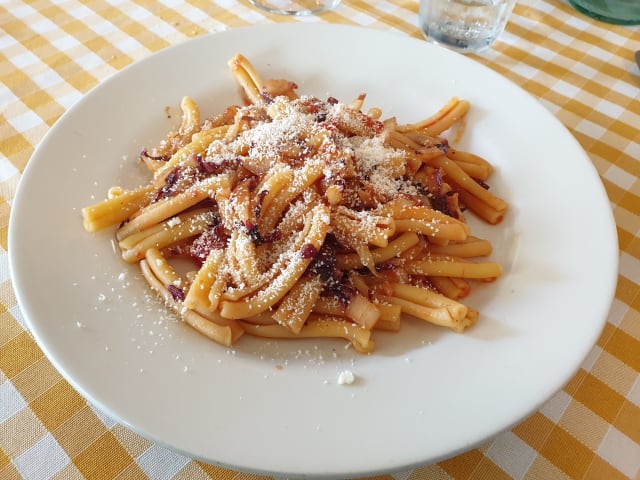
x=322, y=7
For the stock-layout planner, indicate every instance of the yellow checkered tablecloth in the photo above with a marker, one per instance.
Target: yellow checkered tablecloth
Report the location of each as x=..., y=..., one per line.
x=54, y=51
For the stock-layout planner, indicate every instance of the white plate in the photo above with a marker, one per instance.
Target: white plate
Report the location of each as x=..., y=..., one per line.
x=277, y=407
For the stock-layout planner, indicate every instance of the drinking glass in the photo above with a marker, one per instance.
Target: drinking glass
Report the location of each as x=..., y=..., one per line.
x=295, y=7
x=468, y=26
x=623, y=12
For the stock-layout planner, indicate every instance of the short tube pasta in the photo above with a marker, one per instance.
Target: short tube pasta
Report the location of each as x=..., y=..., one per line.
x=307, y=218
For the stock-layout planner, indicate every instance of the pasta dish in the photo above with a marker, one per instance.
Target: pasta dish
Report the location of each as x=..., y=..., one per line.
x=307, y=218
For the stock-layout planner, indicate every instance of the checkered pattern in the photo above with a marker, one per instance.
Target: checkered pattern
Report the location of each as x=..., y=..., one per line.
x=54, y=51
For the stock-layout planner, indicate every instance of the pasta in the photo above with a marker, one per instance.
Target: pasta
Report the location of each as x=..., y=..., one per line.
x=307, y=218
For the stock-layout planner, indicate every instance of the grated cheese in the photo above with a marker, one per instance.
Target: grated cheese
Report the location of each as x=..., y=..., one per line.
x=346, y=377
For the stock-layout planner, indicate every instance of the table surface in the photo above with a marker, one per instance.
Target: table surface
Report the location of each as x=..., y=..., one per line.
x=52, y=52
